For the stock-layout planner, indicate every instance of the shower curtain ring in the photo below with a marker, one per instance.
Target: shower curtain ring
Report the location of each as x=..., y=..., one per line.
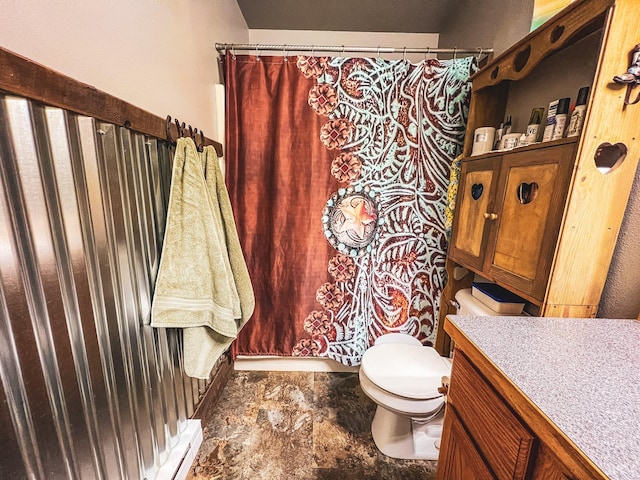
x=313, y=50
x=257, y=54
x=427, y=52
x=455, y=53
x=343, y=50
x=378, y=51
x=284, y=49
x=404, y=54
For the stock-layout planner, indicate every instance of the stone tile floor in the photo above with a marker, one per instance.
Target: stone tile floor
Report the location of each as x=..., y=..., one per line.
x=298, y=426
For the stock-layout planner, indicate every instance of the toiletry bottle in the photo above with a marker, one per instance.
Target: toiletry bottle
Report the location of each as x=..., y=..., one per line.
x=561, y=118
x=551, y=121
x=531, y=135
x=498, y=138
x=577, y=117
x=507, y=126
x=522, y=141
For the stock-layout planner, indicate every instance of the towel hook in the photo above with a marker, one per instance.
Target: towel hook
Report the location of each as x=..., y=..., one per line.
x=167, y=126
x=177, y=122
x=180, y=128
x=202, y=140
x=199, y=146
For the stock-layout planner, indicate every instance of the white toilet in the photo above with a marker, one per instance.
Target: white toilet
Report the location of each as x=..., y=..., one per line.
x=402, y=377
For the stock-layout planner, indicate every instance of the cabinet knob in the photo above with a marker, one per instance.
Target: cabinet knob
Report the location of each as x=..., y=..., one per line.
x=490, y=216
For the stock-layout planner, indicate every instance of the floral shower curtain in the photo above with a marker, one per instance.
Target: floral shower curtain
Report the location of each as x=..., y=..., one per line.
x=337, y=169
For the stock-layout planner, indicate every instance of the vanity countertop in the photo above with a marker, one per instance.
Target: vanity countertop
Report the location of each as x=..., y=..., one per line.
x=583, y=374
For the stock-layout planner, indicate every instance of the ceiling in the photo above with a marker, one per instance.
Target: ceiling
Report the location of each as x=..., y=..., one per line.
x=407, y=16
x=493, y=24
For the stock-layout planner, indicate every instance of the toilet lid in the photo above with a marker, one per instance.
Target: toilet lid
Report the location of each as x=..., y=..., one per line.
x=410, y=371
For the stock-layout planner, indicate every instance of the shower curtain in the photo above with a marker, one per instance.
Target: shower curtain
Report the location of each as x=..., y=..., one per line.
x=337, y=170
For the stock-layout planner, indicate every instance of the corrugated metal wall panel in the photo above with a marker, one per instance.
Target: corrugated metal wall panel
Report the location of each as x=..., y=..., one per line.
x=89, y=390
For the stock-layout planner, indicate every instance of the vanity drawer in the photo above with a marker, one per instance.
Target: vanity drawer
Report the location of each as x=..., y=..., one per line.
x=503, y=441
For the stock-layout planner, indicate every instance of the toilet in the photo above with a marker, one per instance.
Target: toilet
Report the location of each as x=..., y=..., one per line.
x=402, y=377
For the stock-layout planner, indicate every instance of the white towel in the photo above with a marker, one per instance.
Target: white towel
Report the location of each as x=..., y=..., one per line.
x=203, y=285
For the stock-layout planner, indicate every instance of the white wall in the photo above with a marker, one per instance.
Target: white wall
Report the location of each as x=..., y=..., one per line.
x=621, y=296
x=353, y=39
x=156, y=54
x=497, y=24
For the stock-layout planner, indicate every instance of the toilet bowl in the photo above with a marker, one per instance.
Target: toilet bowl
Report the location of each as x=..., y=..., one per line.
x=402, y=377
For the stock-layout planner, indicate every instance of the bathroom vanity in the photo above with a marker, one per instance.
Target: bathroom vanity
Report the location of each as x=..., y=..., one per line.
x=542, y=398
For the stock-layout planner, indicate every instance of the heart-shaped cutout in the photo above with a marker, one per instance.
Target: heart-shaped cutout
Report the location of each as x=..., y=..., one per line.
x=609, y=156
x=527, y=192
x=476, y=190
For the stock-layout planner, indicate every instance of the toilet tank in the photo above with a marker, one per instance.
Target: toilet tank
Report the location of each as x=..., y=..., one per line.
x=470, y=305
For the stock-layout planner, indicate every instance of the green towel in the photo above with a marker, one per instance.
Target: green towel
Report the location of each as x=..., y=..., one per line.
x=203, y=285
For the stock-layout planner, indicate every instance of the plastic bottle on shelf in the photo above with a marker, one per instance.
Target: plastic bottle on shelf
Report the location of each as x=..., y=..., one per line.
x=507, y=125
x=551, y=121
x=498, y=137
x=577, y=117
x=535, y=120
x=561, y=118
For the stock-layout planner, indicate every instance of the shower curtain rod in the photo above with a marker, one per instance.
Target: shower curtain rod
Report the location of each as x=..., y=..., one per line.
x=342, y=48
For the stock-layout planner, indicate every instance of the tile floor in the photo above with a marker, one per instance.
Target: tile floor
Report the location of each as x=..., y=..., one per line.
x=298, y=426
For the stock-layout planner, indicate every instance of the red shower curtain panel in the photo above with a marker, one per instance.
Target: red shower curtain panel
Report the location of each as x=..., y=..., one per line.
x=278, y=177
x=337, y=170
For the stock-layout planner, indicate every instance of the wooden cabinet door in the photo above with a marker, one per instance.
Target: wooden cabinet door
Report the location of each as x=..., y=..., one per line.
x=459, y=459
x=500, y=437
x=529, y=204
x=548, y=467
x=478, y=180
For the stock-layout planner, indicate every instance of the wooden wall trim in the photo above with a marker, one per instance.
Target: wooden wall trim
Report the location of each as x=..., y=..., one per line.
x=23, y=77
x=222, y=374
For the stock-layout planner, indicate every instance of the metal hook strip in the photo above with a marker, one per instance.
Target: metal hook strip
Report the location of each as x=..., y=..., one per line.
x=182, y=132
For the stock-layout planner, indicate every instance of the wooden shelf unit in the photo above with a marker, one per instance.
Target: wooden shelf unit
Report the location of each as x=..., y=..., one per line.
x=571, y=257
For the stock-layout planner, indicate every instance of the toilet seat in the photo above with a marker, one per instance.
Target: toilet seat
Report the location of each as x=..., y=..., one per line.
x=409, y=371
x=411, y=408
